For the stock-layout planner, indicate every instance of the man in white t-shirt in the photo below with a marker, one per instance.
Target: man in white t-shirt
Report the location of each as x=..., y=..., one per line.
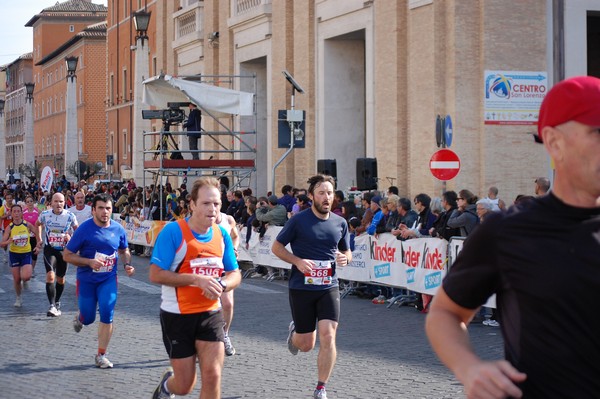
x=81, y=211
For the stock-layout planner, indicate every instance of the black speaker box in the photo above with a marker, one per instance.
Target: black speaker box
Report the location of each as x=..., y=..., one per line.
x=327, y=167
x=366, y=174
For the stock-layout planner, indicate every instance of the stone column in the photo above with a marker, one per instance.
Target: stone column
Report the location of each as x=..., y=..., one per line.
x=142, y=71
x=3, y=153
x=71, y=146
x=28, y=149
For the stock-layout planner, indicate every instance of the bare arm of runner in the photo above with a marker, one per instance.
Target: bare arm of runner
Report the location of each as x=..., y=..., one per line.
x=446, y=328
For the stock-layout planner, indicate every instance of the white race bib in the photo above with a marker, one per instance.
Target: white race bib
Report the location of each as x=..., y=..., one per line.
x=108, y=261
x=56, y=240
x=212, y=267
x=321, y=273
x=20, y=240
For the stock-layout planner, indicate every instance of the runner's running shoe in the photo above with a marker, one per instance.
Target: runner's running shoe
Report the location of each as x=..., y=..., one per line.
x=293, y=350
x=53, y=312
x=103, y=362
x=159, y=392
x=320, y=394
x=77, y=324
x=229, y=349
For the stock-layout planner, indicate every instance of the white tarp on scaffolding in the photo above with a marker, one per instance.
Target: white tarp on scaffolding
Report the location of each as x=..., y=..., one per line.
x=160, y=90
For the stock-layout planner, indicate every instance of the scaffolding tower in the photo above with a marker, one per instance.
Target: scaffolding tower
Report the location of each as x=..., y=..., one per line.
x=228, y=153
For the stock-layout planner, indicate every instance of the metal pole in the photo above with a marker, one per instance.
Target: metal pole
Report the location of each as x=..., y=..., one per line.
x=289, y=150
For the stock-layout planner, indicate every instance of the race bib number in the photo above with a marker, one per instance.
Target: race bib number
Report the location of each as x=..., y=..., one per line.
x=21, y=240
x=56, y=240
x=212, y=267
x=321, y=273
x=108, y=262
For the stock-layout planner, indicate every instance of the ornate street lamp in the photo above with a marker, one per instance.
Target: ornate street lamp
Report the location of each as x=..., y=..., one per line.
x=29, y=89
x=141, y=20
x=71, y=66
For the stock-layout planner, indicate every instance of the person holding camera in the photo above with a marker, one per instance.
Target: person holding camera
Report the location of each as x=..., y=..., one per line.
x=193, y=127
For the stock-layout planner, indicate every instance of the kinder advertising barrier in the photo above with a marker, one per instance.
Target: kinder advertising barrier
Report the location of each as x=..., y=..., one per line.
x=418, y=264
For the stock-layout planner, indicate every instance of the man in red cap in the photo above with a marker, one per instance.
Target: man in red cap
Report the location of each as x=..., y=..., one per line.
x=542, y=261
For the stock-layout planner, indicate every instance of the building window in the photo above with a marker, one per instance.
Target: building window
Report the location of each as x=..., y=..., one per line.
x=60, y=143
x=125, y=97
x=125, y=144
x=111, y=91
x=80, y=135
x=81, y=94
x=71, y=28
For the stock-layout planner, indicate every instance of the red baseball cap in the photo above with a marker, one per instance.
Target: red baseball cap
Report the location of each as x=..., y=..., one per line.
x=575, y=99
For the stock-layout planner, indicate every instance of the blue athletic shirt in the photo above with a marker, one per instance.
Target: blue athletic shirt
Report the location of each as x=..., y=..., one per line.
x=316, y=239
x=91, y=241
x=169, y=240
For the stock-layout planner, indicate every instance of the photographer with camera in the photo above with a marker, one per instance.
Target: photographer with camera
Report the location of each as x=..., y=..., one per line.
x=193, y=127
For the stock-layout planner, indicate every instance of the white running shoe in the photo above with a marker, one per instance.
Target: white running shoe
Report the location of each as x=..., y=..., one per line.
x=18, y=302
x=103, y=362
x=53, y=312
x=229, y=349
x=293, y=350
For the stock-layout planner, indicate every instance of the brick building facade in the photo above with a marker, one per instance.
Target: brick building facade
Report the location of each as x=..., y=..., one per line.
x=73, y=28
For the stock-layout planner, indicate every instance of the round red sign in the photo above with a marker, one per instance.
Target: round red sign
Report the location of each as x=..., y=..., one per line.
x=444, y=164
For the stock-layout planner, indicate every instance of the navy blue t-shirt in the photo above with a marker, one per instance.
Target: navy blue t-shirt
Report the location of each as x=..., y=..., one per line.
x=316, y=239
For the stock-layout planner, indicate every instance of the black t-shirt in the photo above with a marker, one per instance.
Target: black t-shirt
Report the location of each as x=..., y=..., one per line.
x=543, y=262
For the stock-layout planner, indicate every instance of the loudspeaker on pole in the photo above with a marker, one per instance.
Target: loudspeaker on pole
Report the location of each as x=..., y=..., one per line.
x=366, y=173
x=327, y=167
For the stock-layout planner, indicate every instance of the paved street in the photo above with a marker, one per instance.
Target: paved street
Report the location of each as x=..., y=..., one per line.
x=382, y=353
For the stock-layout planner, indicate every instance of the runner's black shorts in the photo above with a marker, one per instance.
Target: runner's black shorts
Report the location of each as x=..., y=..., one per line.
x=33, y=243
x=54, y=262
x=181, y=331
x=310, y=306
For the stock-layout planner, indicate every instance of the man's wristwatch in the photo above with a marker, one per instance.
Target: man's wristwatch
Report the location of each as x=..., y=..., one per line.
x=223, y=284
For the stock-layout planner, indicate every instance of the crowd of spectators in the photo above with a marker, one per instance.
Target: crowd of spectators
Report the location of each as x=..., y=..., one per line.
x=451, y=215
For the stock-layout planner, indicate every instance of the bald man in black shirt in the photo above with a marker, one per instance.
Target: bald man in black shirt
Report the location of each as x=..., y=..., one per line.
x=542, y=260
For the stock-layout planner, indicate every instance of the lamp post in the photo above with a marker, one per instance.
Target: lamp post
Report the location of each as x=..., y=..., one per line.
x=71, y=148
x=141, y=20
x=2, y=141
x=28, y=150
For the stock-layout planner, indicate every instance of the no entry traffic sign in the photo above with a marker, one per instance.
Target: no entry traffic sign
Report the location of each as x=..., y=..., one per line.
x=444, y=164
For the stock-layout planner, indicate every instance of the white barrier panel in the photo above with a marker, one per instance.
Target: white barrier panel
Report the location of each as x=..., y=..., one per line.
x=259, y=250
x=359, y=269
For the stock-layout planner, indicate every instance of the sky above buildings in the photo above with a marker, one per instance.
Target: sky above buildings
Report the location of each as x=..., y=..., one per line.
x=15, y=38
